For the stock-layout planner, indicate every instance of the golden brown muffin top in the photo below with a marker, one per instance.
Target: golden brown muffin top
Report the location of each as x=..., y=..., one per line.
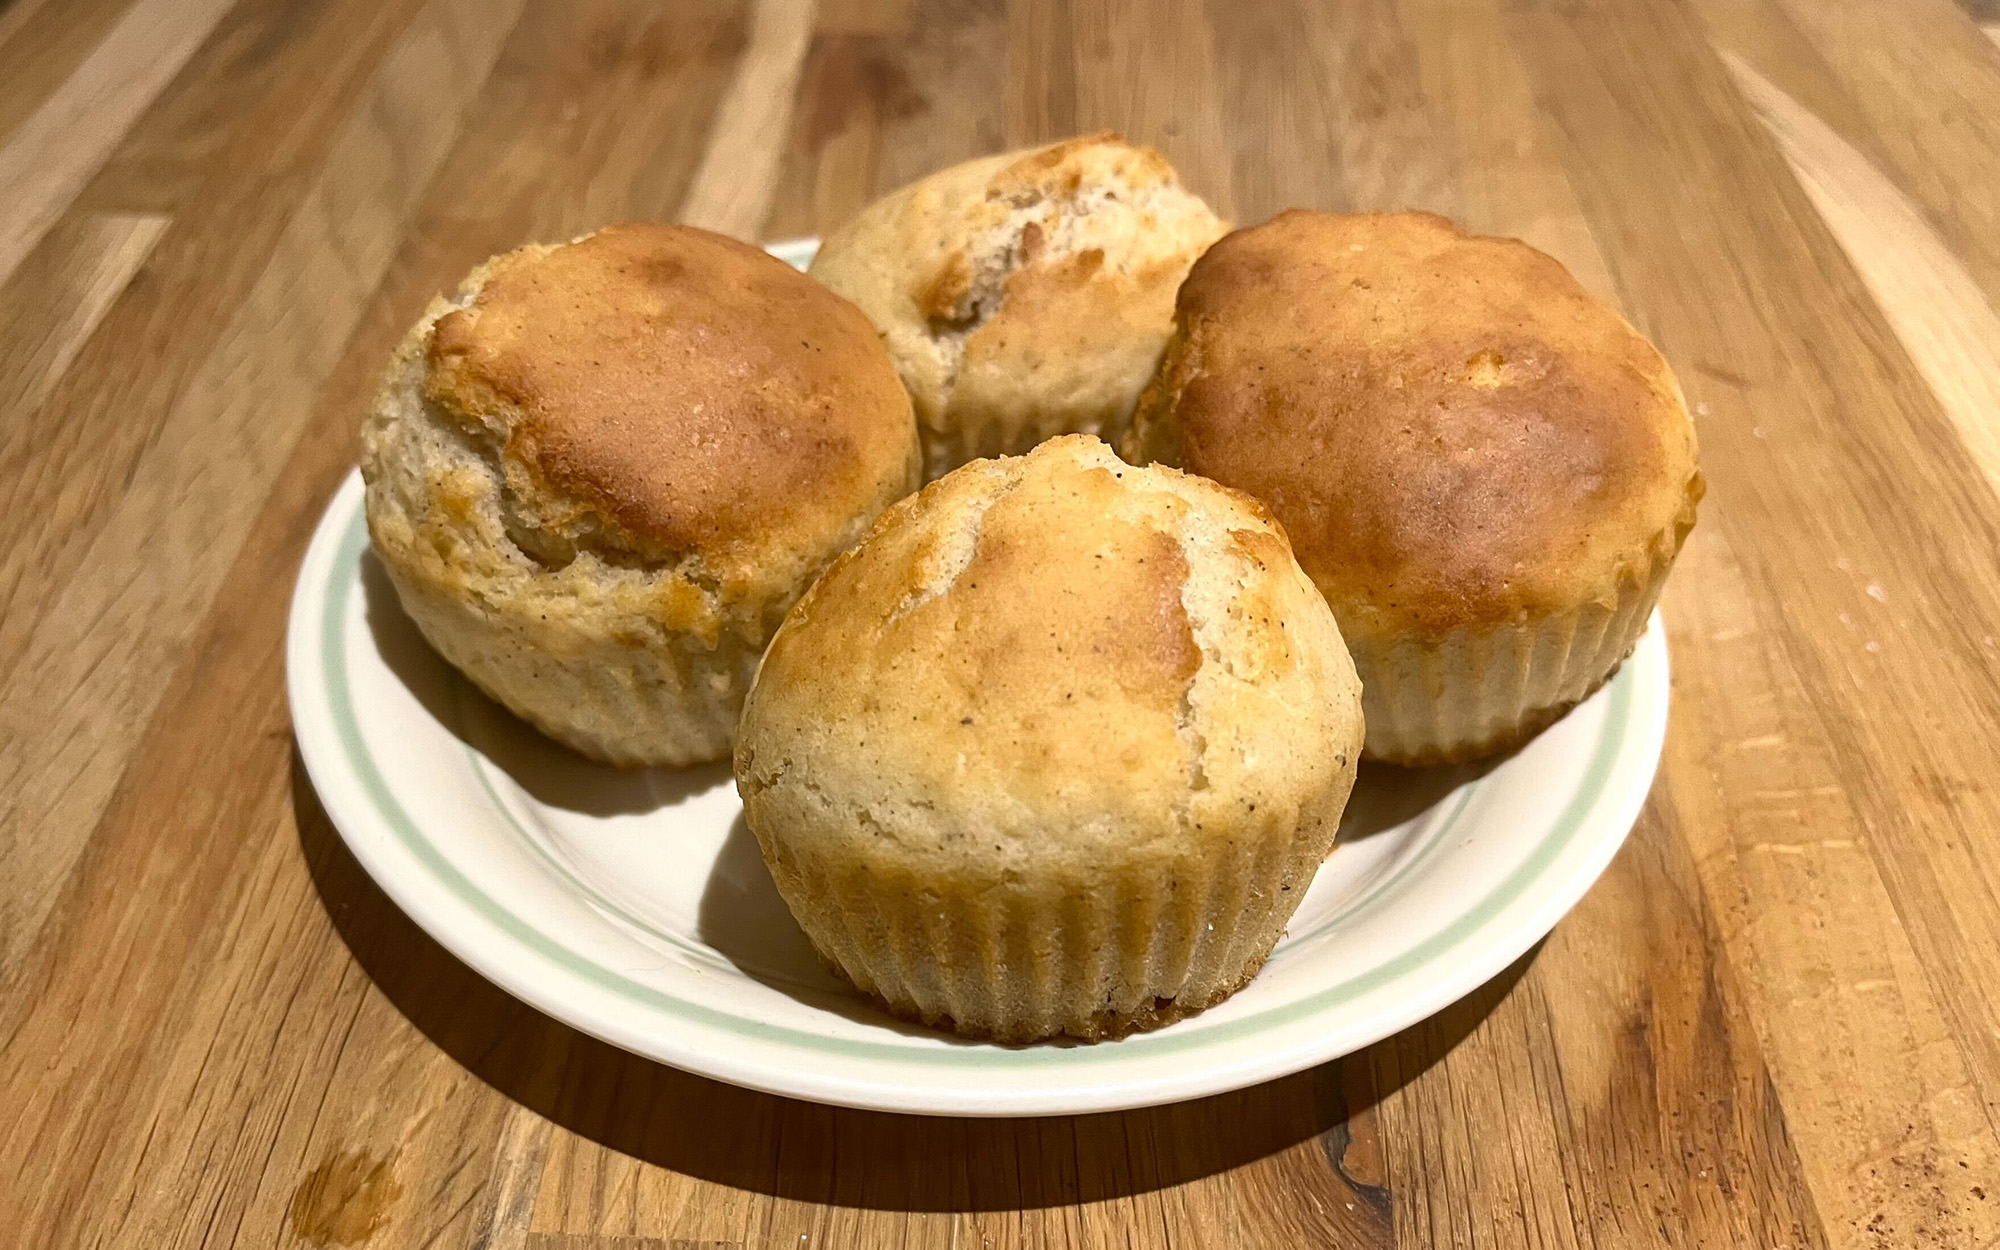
x=659, y=389
x=1062, y=632
x=1450, y=428
x=1063, y=659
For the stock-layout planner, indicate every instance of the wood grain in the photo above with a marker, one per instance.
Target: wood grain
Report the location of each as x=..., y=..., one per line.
x=1797, y=369
x=41, y=45
x=248, y=106
x=49, y=309
x=739, y=169
x=65, y=465
x=1936, y=308
x=1927, y=86
x=46, y=159
x=94, y=665
x=1769, y=1025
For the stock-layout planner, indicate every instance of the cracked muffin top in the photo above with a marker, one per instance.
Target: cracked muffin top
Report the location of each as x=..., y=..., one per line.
x=1024, y=295
x=1053, y=664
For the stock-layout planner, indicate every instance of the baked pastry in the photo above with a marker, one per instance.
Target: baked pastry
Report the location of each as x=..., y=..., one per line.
x=1024, y=295
x=1055, y=750
x=600, y=475
x=1486, y=471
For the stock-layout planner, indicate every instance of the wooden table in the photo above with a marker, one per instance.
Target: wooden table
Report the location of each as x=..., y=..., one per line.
x=1774, y=1023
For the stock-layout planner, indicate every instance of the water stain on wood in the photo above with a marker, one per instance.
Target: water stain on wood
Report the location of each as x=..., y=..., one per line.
x=344, y=1200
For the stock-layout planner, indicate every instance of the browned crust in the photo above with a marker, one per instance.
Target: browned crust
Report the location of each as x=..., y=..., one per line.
x=663, y=387
x=1452, y=430
x=941, y=298
x=1058, y=171
x=1063, y=646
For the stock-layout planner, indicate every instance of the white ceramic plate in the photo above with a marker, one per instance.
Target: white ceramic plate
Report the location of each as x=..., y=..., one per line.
x=634, y=906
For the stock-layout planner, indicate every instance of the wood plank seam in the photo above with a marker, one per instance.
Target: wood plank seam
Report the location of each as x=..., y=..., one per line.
x=518, y=1159
x=733, y=185
x=165, y=545
x=1776, y=309
x=1935, y=307
x=49, y=158
x=39, y=340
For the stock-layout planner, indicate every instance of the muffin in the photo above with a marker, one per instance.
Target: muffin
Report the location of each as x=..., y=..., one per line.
x=1486, y=471
x=1024, y=295
x=600, y=475
x=1055, y=750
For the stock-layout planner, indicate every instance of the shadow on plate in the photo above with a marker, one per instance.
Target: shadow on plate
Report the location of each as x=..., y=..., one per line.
x=812, y=1153
x=743, y=918
x=552, y=773
x=1387, y=795
x=741, y=915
